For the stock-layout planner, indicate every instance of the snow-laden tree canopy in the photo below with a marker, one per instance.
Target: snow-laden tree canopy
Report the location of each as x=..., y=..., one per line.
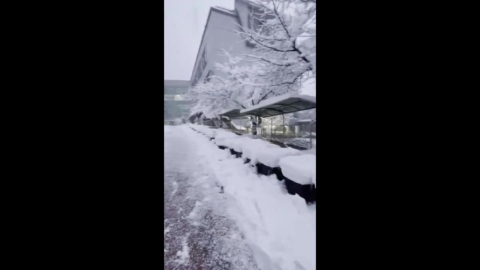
x=282, y=59
x=211, y=98
x=285, y=44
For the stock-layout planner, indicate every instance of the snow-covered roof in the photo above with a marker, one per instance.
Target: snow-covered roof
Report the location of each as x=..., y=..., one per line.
x=283, y=104
x=227, y=111
x=232, y=113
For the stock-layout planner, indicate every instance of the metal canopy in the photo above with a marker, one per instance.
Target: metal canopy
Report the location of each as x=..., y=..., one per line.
x=232, y=114
x=284, y=104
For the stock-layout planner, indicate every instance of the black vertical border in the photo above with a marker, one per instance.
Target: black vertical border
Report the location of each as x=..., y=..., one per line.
x=100, y=136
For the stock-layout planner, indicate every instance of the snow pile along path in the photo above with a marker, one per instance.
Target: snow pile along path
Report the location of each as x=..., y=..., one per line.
x=279, y=228
x=300, y=169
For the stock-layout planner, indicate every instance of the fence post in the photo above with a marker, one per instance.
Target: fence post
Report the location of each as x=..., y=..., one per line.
x=311, y=130
x=271, y=127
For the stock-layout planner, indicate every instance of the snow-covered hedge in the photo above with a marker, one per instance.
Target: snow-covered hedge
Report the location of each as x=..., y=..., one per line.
x=222, y=137
x=299, y=174
x=255, y=147
x=295, y=165
x=300, y=169
x=272, y=157
x=297, y=168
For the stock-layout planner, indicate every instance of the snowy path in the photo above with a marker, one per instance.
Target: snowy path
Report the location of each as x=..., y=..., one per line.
x=199, y=234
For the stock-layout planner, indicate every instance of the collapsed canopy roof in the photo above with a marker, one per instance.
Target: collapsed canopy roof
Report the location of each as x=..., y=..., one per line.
x=283, y=104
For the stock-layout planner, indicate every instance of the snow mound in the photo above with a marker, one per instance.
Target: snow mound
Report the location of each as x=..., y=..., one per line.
x=209, y=132
x=300, y=169
x=223, y=137
x=223, y=134
x=236, y=143
x=205, y=130
x=272, y=156
x=312, y=151
x=253, y=149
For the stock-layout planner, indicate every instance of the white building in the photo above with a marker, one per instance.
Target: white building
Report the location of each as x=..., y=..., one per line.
x=219, y=35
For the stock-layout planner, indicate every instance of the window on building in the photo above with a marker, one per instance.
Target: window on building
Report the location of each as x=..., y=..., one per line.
x=209, y=76
x=204, y=59
x=202, y=64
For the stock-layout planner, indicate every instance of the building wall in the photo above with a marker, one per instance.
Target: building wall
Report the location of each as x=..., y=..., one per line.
x=219, y=35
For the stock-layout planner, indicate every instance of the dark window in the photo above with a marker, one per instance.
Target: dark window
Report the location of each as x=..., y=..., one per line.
x=209, y=76
x=204, y=59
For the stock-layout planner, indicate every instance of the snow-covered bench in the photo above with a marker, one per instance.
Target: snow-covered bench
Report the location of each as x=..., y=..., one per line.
x=299, y=173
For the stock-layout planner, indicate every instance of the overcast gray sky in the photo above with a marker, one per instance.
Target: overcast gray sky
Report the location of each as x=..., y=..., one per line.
x=184, y=24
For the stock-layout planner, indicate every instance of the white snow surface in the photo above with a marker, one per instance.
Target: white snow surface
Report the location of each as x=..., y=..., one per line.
x=223, y=137
x=222, y=133
x=272, y=156
x=309, y=87
x=254, y=148
x=312, y=151
x=300, y=169
x=204, y=130
x=183, y=255
x=279, y=240
x=235, y=143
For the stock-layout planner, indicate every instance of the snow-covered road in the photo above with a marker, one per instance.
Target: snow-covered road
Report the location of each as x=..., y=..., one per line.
x=198, y=232
x=250, y=223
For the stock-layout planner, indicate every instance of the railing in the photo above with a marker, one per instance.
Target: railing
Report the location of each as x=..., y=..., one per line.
x=302, y=140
